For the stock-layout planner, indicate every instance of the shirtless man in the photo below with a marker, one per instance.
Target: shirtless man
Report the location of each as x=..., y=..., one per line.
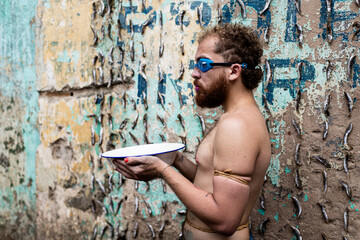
x=220, y=190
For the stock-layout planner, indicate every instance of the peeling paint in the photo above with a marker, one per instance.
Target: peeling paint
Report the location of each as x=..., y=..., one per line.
x=306, y=198
x=17, y=63
x=273, y=171
x=4, y=161
x=276, y=217
x=47, y=157
x=67, y=58
x=261, y=211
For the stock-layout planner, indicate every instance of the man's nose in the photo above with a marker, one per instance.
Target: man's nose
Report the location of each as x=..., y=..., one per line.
x=196, y=73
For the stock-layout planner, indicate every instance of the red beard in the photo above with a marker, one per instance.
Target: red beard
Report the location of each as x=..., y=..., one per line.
x=214, y=96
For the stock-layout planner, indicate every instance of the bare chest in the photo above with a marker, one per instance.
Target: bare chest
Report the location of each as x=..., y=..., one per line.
x=204, y=159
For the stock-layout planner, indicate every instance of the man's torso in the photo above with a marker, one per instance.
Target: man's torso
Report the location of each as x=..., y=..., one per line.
x=205, y=173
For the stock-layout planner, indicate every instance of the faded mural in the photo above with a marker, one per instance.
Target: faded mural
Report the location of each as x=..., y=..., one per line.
x=79, y=78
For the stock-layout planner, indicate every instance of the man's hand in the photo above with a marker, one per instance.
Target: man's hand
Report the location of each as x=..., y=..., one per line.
x=140, y=168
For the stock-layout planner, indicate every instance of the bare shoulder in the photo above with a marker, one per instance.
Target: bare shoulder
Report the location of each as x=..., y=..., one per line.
x=245, y=124
x=234, y=119
x=237, y=143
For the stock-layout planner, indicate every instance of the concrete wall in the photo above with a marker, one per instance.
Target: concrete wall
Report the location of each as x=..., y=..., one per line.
x=19, y=111
x=59, y=113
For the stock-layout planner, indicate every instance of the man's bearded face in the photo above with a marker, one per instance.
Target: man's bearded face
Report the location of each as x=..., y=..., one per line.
x=214, y=95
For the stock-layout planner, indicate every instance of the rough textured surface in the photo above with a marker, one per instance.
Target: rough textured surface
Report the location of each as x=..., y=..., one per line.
x=62, y=106
x=18, y=106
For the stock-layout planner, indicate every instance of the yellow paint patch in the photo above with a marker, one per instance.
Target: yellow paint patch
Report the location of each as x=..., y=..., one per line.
x=83, y=166
x=66, y=29
x=82, y=133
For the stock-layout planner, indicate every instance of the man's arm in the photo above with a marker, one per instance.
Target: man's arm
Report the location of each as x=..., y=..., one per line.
x=221, y=210
x=186, y=167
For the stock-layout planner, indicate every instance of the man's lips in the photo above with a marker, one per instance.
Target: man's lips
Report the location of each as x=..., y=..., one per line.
x=197, y=88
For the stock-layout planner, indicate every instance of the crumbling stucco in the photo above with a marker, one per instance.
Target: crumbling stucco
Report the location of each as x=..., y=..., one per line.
x=62, y=106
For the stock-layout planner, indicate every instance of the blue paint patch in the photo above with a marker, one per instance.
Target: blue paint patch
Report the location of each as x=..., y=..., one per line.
x=162, y=90
x=226, y=14
x=18, y=58
x=206, y=11
x=276, y=217
x=261, y=211
x=156, y=196
x=66, y=58
x=47, y=4
x=287, y=170
x=288, y=84
x=335, y=18
x=275, y=141
x=125, y=24
x=306, y=198
x=175, y=11
x=291, y=19
x=355, y=76
x=273, y=171
x=211, y=121
x=192, y=64
x=351, y=205
x=143, y=212
x=142, y=89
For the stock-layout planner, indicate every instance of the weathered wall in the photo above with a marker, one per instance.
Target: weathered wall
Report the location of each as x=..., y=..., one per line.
x=52, y=72
x=19, y=107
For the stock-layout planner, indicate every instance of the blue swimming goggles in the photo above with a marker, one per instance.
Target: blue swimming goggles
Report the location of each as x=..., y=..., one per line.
x=205, y=64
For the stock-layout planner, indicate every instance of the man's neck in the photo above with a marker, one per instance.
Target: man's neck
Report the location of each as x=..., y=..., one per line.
x=236, y=100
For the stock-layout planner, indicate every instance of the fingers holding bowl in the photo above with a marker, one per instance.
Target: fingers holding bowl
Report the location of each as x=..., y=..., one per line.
x=121, y=167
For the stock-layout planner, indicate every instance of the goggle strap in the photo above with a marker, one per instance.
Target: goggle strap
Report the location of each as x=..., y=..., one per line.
x=243, y=65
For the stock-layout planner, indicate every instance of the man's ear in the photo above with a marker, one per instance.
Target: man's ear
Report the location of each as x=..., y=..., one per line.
x=235, y=71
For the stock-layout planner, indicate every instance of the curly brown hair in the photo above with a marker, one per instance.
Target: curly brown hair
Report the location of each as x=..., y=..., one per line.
x=238, y=44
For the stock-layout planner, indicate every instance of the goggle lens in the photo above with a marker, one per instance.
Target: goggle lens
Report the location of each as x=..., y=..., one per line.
x=204, y=64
